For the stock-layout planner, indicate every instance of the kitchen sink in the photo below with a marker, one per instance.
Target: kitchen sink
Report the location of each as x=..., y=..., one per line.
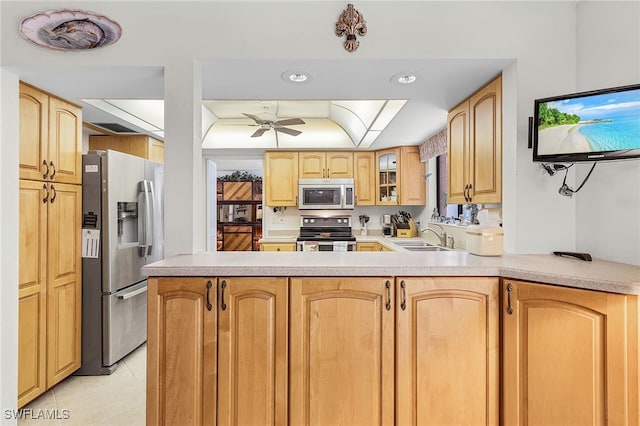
x=424, y=248
x=418, y=245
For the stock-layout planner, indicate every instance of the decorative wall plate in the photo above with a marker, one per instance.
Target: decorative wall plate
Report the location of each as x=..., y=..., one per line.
x=70, y=30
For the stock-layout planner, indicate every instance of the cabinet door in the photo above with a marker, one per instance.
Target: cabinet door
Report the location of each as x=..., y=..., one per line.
x=342, y=340
x=339, y=165
x=34, y=132
x=281, y=178
x=387, y=163
x=565, y=356
x=458, y=153
x=65, y=141
x=447, y=363
x=485, y=121
x=365, y=178
x=32, y=292
x=181, y=351
x=156, y=151
x=64, y=281
x=311, y=165
x=252, y=351
x=412, y=182
x=278, y=247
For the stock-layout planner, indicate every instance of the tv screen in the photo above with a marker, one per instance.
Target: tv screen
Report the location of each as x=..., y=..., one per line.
x=588, y=126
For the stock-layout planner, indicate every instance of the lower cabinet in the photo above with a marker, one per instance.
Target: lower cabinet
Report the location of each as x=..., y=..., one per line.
x=566, y=356
x=388, y=351
x=342, y=351
x=278, y=246
x=217, y=351
x=447, y=351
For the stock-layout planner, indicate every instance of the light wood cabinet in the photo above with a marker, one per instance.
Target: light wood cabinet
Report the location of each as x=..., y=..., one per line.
x=50, y=137
x=325, y=164
x=280, y=178
x=252, y=351
x=569, y=356
x=372, y=246
x=474, y=147
x=50, y=286
x=50, y=263
x=400, y=177
x=217, y=351
x=139, y=145
x=277, y=246
x=364, y=164
x=32, y=292
x=447, y=351
x=341, y=366
x=181, y=351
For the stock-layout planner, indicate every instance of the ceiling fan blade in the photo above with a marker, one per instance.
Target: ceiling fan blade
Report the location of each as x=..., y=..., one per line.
x=258, y=132
x=287, y=131
x=289, y=122
x=254, y=118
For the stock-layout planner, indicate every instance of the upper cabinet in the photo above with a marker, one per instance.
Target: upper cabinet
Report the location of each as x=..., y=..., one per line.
x=474, y=147
x=139, y=145
x=325, y=164
x=400, y=177
x=50, y=137
x=364, y=165
x=280, y=184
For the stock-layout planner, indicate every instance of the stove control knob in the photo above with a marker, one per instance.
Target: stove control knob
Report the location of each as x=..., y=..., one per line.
x=312, y=220
x=339, y=220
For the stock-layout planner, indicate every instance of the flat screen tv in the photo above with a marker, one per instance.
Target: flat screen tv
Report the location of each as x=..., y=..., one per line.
x=588, y=126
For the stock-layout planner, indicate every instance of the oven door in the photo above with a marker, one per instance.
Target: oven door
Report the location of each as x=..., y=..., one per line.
x=326, y=246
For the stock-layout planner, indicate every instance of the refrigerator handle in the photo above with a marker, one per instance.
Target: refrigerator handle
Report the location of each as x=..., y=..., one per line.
x=151, y=217
x=144, y=219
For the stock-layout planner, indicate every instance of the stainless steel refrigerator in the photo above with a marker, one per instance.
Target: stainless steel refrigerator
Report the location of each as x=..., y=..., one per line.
x=122, y=230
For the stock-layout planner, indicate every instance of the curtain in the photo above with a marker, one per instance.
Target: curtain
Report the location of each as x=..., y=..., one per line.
x=434, y=146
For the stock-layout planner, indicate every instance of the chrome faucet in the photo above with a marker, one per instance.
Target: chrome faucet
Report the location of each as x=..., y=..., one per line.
x=442, y=236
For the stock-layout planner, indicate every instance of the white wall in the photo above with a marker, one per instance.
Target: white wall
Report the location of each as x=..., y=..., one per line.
x=608, y=206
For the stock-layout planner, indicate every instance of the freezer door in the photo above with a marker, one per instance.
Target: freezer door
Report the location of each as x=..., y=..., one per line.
x=122, y=261
x=124, y=325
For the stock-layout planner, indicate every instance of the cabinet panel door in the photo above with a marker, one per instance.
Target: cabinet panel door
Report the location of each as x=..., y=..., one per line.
x=34, y=136
x=181, y=351
x=252, y=351
x=565, y=356
x=485, y=120
x=342, y=339
x=312, y=165
x=32, y=292
x=64, y=281
x=65, y=140
x=458, y=153
x=412, y=182
x=339, y=165
x=447, y=365
x=281, y=178
x=365, y=178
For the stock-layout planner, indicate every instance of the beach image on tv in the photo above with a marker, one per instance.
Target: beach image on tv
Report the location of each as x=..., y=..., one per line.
x=594, y=123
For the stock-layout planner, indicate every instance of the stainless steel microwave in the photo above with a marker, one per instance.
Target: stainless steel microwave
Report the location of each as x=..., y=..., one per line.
x=320, y=194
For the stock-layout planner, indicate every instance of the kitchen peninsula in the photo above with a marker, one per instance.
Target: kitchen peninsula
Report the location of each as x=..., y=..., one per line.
x=360, y=337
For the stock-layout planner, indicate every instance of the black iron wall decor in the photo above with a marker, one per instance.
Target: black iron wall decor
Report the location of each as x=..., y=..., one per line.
x=351, y=22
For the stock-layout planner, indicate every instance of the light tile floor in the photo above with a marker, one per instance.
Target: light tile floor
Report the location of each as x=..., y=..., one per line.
x=114, y=400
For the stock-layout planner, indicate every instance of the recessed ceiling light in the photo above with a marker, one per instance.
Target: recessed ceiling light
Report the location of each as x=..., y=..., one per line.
x=403, y=78
x=296, y=76
x=406, y=79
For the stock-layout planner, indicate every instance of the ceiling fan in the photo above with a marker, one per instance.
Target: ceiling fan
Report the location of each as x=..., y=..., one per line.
x=275, y=124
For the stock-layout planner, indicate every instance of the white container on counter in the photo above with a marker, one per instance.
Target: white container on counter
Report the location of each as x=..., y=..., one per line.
x=485, y=240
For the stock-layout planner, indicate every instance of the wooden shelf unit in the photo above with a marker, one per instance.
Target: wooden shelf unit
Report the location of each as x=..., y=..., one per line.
x=239, y=216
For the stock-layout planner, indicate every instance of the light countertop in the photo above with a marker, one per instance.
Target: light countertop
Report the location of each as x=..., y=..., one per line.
x=596, y=275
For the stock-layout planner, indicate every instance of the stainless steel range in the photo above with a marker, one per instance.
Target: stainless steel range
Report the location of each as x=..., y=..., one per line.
x=326, y=233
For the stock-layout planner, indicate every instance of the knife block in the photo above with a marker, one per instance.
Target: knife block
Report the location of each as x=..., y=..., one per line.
x=406, y=230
